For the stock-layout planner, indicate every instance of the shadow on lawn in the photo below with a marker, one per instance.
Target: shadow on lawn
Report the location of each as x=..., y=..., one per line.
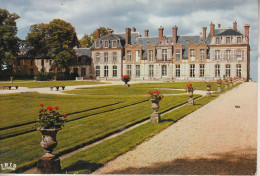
x=232, y=163
x=82, y=166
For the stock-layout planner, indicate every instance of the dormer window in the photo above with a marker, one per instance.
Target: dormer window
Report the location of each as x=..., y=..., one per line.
x=228, y=40
x=106, y=44
x=97, y=44
x=239, y=40
x=218, y=40
x=114, y=44
x=192, y=54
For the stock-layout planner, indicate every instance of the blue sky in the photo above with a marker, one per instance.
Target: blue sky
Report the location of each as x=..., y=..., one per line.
x=189, y=15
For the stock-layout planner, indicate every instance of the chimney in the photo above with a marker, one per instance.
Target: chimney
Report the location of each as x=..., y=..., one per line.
x=128, y=36
x=212, y=28
x=109, y=31
x=247, y=30
x=146, y=31
x=98, y=33
x=160, y=33
x=174, y=34
x=219, y=25
x=134, y=30
x=235, y=26
x=204, y=33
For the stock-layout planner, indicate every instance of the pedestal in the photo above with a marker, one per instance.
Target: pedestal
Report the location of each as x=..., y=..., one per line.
x=46, y=165
x=219, y=89
x=127, y=85
x=190, y=102
x=155, y=117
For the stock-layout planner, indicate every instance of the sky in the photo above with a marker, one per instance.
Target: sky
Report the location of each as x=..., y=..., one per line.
x=189, y=15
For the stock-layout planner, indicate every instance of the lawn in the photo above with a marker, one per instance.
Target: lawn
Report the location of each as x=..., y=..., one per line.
x=50, y=83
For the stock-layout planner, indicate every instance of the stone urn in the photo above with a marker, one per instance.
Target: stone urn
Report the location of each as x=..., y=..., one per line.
x=126, y=85
x=54, y=78
x=208, y=91
x=48, y=163
x=155, y=116
x=226, y=85
x=219, y=87
x=191, y=101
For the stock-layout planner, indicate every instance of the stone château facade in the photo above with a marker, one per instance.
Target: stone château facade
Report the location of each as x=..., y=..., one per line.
x=224, y=52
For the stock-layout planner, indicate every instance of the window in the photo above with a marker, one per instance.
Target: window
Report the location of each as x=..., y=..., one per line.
x=202, y=55
x=114, y=44
x=137, y=53
x=75, y=70
x=97, y=44
x=106, y=44
x=239, y=40
x=217, y=54
x=150, y=71
x=228, y=54
x=150, y=55
x=79, y=59
x=217, y=70
x=83, y=71
x=218, y=40
x=105, y=57
x=137, y=71
x=164, y=70
x=178, y=71
x=114, y=56
x=106, y=71
x=192, y=70
x=227, y=40
x=164, y=54
x=178, y=55
x=238, y=70
x=97, y=57
x=129, y=70
x=97, y=71
x=114, y=71
x=202, y=70
x=32, y=62
x=192, y=55
x=227, y=70
x=239, y=55
x=129, y=56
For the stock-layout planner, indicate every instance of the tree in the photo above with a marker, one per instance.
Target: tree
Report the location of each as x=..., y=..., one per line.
x=87, y=40
x=53, y=41
x=9, y=42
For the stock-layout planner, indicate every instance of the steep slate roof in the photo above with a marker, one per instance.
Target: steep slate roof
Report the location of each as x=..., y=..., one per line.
x=111, y=37
x=83, y=51
x=134, y=36
x=222, y=32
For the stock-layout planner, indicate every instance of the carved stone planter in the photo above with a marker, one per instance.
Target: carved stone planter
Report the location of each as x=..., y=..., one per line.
x=208, y=91
x=191, y=101
x=219, y=87
x=155, y=116
x=48, y=163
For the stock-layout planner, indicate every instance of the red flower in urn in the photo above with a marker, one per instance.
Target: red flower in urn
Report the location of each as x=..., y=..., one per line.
x=126, y=78
x=156, y=95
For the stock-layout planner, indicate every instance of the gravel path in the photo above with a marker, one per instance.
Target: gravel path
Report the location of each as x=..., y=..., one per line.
x=217, y=139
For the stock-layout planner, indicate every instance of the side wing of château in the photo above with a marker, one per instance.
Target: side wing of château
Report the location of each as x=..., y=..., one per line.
x=224, y=52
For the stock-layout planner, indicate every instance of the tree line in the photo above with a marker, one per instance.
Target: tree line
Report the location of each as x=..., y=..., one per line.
x=54, y=40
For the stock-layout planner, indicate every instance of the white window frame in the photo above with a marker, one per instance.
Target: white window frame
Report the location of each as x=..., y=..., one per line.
x=238, y=70
x=129, y=70
x=192, y=70
x=106, y=71
x=106, y=57
x=178, y=70
x=192, y=54
x=202, y=54
x=164, y=70
x=178, y=55
x=164, y=54
x=114, y=71
x=239, y=40
x=239, y=54
x=137, y=71
x=114, y=56
x=150, y=55
x=217, y=54
x=217, y=70
x=97, y=57
x=106, y=44
x=97, y=43
x=129, y=56
x=228, y=40
x=151, y=71
x=218, y=40
x=114, y=43
x=227, y=70
x=228, y=54
x=97, y=71
x=202, y=70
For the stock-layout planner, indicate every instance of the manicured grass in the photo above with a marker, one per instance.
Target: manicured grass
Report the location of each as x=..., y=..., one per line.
x=119, y=90
x=51, y=83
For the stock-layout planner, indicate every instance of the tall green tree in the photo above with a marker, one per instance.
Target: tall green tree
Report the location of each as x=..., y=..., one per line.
x=87, y=40
x=53, y=41
x=9, y=42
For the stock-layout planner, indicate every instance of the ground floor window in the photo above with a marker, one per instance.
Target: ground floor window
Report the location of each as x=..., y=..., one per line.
x=164, y=70
x=178, y=71
x=83, y=71
x=192, y=70
x=97, y=71
x=217, y=70
x=238, y=71
x=227, y=70
x=137, y=70
x=129, y=70
x=202, y=70
x=114, y=71
x=105, y=71
x=150, y=71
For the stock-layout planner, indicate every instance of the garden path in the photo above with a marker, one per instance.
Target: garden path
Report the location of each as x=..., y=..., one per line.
x=218, y=139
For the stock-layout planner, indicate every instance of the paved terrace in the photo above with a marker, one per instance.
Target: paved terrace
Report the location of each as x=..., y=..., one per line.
x=217, y=139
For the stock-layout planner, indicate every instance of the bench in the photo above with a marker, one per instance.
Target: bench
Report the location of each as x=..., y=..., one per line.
x=57, y=87
x=9, y=87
